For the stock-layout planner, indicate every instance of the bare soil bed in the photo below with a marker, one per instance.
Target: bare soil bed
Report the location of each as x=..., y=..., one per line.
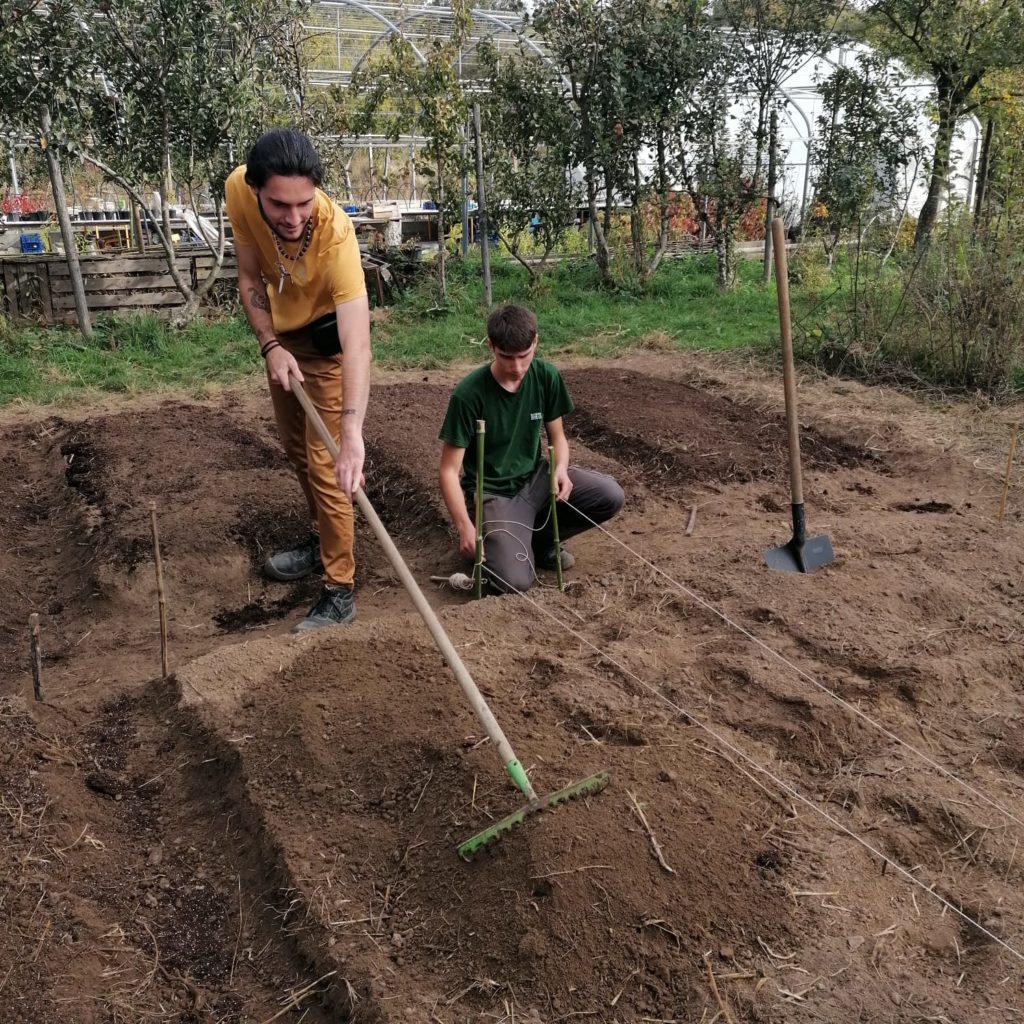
x=816, y=803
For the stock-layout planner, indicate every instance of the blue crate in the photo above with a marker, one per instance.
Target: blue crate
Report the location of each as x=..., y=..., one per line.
x=31, y=243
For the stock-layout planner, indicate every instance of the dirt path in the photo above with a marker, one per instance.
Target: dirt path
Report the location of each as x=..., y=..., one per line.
x=272, y=829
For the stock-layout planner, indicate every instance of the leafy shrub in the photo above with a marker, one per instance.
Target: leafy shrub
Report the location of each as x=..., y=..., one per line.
x=952, y=315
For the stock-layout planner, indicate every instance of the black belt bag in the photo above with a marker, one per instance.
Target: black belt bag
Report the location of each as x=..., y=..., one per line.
x=323, y=333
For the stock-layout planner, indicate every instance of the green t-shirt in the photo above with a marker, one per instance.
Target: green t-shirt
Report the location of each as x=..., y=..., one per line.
x=513, y=424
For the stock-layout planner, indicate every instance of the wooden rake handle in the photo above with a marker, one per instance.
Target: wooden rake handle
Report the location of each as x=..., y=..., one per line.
x=444, y=644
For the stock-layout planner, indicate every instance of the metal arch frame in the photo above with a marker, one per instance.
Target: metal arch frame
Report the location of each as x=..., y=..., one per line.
x=399, y=27
x=374, y=13
x=515, y=27
x=792, y=103
x=512, y=25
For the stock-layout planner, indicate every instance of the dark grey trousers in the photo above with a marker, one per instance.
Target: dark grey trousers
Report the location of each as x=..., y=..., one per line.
x=518, y=528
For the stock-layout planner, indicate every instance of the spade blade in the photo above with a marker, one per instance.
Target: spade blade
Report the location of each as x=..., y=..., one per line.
x=812, y=554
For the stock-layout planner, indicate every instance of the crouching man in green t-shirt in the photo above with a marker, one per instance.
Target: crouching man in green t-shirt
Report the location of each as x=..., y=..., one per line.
x=514, y=394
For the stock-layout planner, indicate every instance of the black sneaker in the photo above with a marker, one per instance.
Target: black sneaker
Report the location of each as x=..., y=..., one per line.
x=335, y=607
x=548, y=561
x=297, y=563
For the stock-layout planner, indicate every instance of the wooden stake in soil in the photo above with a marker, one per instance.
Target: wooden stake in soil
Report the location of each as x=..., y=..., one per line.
x=655, y=845
x=714, y=990
x=159, y=589
x=1009, y=466
x=37, y=660
x=692, y=522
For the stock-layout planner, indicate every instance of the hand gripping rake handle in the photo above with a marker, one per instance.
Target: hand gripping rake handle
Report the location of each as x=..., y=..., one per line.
x=445, y=646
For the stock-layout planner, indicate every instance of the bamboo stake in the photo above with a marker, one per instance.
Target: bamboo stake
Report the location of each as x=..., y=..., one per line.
x=554, y=521
x=37, y=660
x=1009, y=466
x=478, y=564
x=159, y=589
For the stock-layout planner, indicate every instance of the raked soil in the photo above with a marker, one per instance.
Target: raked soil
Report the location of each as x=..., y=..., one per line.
x=816, y=805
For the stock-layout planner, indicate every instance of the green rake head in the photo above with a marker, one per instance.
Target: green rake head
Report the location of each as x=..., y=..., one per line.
x=494, y=832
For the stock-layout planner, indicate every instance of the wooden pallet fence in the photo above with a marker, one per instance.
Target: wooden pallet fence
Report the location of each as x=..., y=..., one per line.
x=38, y=288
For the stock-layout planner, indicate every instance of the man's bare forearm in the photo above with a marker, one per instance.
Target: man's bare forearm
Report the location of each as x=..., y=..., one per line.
x=257, y=308
x=454, y=499
x=354, y=332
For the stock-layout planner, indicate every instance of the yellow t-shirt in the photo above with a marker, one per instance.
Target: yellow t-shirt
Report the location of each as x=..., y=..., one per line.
x=332, y=265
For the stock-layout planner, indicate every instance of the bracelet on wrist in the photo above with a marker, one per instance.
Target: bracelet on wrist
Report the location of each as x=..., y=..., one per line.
x=269, y=347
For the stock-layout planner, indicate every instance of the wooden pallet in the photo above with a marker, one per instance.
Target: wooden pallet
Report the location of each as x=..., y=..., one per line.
x=38, y=288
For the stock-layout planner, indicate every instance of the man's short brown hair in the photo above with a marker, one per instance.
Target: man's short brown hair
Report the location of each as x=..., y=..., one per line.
x=512, y=328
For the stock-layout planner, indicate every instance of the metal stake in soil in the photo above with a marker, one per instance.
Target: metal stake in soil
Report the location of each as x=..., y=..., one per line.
x=802, y=553
x=37, y=660
x=478, y=565
x=554, y=520
x=483, y=713
x=159, y=590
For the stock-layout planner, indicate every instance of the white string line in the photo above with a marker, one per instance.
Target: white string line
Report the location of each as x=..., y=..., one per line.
x=524, y=555
x=781, y=783
x=805, y=675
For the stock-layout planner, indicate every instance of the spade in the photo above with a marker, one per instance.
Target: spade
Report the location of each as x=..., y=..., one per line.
x=801, y=553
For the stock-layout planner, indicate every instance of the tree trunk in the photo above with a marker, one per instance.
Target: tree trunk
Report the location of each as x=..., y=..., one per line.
x=139, y=239
x=939, y=180
x=609, y=191
x=601, y=251
x=725, y=255
x=662, y=207
x=529, y=268
x=195, y=297
x=165, y=205
x=481, y=208
x=464, y=242
x=66, y=231
x=636, y=227
x=983, y=172
x=346, y=170
x=442, y=276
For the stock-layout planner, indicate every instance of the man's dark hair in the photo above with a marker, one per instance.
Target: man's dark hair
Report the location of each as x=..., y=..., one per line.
x=512, y=328
x=282, y=151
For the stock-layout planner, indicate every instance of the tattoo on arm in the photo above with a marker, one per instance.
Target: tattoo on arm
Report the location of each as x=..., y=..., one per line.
x=349, y=412
x=259, y=299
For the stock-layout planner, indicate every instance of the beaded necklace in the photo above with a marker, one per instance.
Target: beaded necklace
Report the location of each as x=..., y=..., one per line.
x=296, y=273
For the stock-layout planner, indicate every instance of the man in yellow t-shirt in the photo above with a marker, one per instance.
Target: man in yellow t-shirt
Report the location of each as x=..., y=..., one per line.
x=301, y=282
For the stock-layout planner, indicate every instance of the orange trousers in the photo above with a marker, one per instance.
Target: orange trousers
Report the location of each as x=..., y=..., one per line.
x=330, y=512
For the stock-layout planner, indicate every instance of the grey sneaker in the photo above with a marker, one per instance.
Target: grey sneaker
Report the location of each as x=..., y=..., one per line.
x=297, y=563
x=548, y=561
x=334, y=607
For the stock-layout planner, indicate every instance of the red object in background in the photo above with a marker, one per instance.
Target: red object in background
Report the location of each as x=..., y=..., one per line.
x=682, y=221
x=19, y=203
